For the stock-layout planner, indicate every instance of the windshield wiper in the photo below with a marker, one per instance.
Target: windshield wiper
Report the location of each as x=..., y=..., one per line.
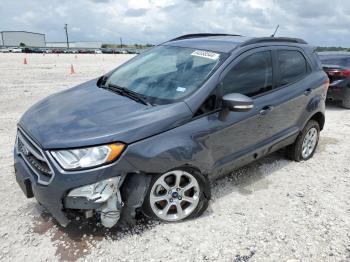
x=128, y=93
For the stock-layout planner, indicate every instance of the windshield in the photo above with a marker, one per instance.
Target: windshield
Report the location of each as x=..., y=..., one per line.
x=166, y=73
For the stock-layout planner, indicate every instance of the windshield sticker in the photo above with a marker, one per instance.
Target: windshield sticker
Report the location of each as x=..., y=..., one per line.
x=206, y=54
x=181, y=89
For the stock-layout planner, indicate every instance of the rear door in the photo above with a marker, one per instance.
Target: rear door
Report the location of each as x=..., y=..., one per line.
x=294, y=89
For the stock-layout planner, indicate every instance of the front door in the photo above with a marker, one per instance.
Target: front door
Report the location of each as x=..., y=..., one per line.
x=242, y=132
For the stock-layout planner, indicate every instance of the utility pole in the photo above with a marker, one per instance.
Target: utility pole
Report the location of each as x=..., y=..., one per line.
x=121, y=42
x=66, y=28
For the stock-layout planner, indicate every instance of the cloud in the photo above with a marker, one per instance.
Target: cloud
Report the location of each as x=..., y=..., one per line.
x=134, y=12
x=100, y=1
x=75, y=29
x=319, y=22
x=199, y=2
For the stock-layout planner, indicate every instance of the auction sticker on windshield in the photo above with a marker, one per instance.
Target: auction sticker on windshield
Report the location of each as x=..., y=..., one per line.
x=206, y=54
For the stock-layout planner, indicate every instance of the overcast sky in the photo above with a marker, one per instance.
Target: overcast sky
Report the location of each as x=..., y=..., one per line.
x=320, y=22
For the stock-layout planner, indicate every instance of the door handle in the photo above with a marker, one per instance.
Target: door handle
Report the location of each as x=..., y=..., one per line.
x=265, y=110
x=308, y=91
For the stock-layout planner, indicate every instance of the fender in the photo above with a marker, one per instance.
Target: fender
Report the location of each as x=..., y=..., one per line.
x=313, y=103
x=187, y=146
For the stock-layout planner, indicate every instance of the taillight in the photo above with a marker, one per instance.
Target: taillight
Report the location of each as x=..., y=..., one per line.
x=338, y=73
x=344, y=73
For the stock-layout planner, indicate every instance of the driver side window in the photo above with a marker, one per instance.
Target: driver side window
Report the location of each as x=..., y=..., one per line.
x=251, y=77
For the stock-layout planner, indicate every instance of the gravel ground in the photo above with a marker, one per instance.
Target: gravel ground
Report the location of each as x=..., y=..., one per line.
x=271, y=210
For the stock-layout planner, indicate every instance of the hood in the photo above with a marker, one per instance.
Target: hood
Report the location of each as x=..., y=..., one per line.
x=88, y=115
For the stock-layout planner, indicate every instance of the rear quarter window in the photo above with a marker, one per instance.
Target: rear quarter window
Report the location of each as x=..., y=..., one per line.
x=292, y=66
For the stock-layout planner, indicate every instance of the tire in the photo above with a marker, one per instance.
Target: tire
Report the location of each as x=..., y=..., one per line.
x=171, y=198
x=295, y=151
x=346, y=102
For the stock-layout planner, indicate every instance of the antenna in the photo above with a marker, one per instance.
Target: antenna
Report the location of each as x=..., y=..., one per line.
x=273, y=35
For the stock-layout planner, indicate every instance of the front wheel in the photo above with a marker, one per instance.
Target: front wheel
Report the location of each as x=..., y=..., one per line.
x=305, y=145
x=176, y=195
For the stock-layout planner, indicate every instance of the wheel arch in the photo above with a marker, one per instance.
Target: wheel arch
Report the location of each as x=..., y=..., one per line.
x=319, y=117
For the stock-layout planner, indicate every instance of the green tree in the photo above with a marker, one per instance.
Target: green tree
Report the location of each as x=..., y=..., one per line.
x=22, y=44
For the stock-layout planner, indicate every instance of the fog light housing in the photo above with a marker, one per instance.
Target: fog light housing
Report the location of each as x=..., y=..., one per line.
x=98, y=192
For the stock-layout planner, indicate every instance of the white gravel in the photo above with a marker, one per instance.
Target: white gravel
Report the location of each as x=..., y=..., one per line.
x=271, y=210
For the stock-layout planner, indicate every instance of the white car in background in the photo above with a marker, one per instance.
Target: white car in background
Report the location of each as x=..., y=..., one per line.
x=98, y=51
x=4, y=50
x=15, y=50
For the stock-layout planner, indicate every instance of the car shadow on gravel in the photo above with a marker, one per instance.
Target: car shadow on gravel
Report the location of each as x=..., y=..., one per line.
x=250, y=178
x=80, y=236
x=76, y=240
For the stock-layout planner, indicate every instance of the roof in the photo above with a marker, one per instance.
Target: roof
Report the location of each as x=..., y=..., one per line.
x=21, y=32
x=219, y=43
x=224, y=42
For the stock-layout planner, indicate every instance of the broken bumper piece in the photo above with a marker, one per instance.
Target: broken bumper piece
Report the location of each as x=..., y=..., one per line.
x=102, y=197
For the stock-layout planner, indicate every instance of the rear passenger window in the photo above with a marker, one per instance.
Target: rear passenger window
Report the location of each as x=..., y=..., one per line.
x=251, y=76
x=292, y=66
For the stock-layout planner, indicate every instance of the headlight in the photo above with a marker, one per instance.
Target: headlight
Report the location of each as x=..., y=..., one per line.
x=88, y=157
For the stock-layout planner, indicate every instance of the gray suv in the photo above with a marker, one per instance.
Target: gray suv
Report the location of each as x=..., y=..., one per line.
x=151, y=135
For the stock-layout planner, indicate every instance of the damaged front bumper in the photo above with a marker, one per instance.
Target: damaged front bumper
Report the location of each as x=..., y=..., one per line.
x=93, y=191
x=102, y=198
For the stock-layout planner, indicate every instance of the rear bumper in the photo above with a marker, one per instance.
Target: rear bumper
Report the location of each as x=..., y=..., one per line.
x=338, y=92
x=53, y=195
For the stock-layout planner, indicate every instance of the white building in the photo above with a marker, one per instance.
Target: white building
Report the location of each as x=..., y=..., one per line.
x=15, y=38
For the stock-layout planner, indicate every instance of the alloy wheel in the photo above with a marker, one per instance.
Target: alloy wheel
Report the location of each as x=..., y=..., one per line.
x=174, y=195
x=309, y=143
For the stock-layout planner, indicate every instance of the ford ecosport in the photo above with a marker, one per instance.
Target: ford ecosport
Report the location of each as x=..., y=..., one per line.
x=152, y=134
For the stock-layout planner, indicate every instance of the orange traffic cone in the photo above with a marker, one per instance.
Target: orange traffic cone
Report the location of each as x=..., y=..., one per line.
x=25, y=61
x=72, y=70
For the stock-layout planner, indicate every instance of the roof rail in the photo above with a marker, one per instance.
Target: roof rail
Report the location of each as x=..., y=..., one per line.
x=273, y=39
x=199, y=35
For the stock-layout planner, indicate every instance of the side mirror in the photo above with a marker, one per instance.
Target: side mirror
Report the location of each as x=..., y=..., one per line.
x=102, y=80
x=237, y=102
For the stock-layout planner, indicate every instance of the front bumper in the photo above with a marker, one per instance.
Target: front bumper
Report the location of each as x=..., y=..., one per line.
x=53, y=195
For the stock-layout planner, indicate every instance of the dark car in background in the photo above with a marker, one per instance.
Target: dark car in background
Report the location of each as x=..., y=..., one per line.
x=152, y=134
x=337, y=67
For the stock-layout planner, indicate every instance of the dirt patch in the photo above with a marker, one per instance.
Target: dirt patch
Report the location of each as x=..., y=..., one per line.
x=326, y=141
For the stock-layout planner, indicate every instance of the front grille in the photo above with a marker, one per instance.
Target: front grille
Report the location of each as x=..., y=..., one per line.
x=34, y=157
